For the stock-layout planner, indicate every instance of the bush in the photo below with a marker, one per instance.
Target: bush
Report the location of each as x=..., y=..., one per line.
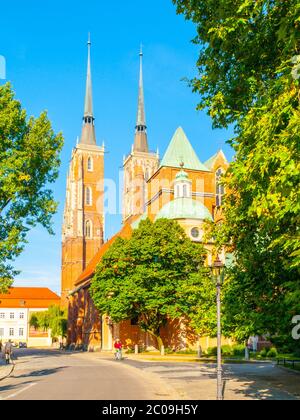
x=239, y=350
x=227, y=350
x=272, y=352
x=212, y=351
x=263, y=353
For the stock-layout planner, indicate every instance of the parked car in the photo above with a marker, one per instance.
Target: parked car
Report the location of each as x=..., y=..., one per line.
x=23, y=345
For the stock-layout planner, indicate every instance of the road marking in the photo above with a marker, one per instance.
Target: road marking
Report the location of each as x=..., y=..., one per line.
x=19, y=392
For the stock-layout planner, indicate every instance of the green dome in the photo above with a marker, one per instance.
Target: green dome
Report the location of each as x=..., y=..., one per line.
x=182, y=176
x=184, y=208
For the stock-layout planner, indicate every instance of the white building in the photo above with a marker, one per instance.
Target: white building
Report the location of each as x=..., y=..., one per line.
x=16, y=308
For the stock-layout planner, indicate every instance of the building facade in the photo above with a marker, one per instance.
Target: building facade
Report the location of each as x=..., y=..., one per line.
x=83, y=225
x=179, y=187
x=16, y=308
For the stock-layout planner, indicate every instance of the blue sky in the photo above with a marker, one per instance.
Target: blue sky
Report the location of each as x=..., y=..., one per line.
x=44, y=44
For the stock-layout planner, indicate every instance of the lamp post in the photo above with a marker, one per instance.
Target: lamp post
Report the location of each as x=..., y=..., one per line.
x=217, y=274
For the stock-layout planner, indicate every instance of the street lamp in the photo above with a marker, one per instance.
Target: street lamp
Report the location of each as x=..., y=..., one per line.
x=217, y=275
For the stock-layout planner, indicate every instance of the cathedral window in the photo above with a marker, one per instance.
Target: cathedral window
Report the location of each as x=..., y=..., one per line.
x=88, y=229
x=195, y=232
x=90, y=164
x=88, y=196
x=220, y=191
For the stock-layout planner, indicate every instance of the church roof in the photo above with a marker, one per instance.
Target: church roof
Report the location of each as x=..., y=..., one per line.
x=211, y=161
x=184, y=208
x=181, y=151
x=125, y=232
x=137, y=222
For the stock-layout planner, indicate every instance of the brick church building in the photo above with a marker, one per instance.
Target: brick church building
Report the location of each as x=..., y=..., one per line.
x=178, y=187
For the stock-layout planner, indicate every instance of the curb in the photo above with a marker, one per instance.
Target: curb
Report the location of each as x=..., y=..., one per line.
x=287, y=369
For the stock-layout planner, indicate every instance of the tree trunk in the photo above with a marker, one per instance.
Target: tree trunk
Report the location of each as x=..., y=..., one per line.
x=158, y=338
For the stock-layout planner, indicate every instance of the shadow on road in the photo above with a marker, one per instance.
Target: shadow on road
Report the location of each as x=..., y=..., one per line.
x=42, y=372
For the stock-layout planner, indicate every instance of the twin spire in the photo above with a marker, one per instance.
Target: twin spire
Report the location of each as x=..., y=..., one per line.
x=88, y=105
x=140, y=140
x=88, y=135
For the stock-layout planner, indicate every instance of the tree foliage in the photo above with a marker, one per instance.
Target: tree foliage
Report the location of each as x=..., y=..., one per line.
x=29, y=161
x=156, y=274
x=55, y=318
x=249, y=76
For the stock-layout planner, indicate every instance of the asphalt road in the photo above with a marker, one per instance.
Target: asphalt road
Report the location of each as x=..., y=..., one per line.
x=53, y=375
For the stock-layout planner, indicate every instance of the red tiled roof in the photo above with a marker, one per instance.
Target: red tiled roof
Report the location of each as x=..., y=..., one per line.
x=125, y=233
x=29, y=293
x=28, y=297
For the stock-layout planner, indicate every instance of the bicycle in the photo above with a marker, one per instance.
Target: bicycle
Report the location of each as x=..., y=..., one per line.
x=118, y=354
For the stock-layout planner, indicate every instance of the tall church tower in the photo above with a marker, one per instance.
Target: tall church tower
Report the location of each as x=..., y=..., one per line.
x=83, y=225
x=141, y=164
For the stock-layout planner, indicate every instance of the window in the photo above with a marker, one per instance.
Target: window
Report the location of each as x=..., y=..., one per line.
x=220, y=191
x=88, y=229
x=12, y=315
x=185, y=191
x=22, y=315
x=21, y=332
x=90, y=164
x=11, y=332
x=88, y=196
x=195, y=232
x=2, y=315
x=1, y=332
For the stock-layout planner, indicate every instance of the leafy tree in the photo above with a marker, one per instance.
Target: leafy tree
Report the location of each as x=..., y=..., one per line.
x=29, y=161
x=153, y=276
x=249, y=77
x=55, y=318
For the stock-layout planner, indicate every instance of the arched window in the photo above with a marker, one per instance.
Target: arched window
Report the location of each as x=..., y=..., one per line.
x=88, y=229
x=220, y=191
x=90, y=164
x=184, y=191
x=88, y=196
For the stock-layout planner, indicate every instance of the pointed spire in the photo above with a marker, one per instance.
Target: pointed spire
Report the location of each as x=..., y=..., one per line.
x=88, y=105
x=141, y=118
x=140, y=142
x=88, y=130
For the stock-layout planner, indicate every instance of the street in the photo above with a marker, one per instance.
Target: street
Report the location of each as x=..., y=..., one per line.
x=54, y=375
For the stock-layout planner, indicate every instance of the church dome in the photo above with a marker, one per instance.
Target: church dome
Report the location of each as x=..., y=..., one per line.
x=182, y=176
x=184, y=208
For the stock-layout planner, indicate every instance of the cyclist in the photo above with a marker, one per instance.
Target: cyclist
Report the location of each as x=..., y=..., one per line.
x=118, y=347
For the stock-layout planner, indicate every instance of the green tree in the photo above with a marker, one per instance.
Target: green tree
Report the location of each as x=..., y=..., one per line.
x=29, y=161
x=151, y=277
x=55, y=318
x=249, y=77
